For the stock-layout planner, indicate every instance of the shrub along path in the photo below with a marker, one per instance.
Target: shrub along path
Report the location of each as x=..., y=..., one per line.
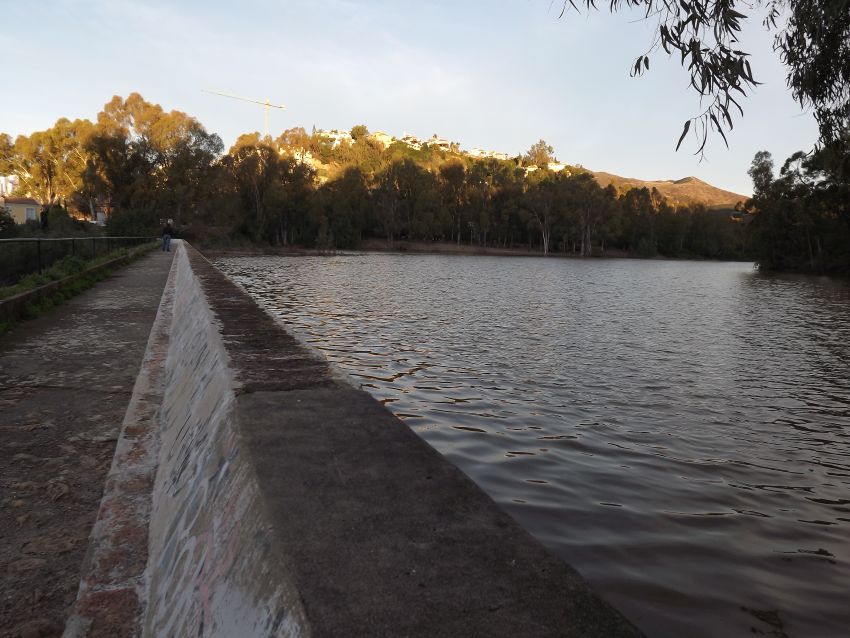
x=65, y=382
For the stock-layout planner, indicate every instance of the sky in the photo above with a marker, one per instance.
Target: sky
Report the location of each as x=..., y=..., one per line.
x=498, y=75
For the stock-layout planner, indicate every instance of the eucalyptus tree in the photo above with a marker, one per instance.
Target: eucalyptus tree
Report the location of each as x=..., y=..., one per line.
x=610, y=226
x=770, y=218
x=638, y=212
x=800, y=219
x=590, y=205
x=387, y=195
x=149, y=163
x=7, y=148
x=298, y=184
x=761, y=172
x=270, y=189
x=500, y=190
x=49, y=164
x=541, y=205
x=415, y=185
x=480, y=183
x=296, y=141
x=452, y=178
x=249, y=169
x=342, y=205
x=672, y=228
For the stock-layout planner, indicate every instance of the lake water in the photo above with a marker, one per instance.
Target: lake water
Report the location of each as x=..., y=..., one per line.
x=677, y=431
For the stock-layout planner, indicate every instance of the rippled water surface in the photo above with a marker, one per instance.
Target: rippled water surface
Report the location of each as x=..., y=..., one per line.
x=677, y=431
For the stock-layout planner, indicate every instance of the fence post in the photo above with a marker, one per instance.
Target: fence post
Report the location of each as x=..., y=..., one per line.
x=38, y=251
x=73, y=248
x=93, y=247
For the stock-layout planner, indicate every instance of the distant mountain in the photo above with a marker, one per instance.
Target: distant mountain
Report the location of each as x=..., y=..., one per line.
x=688, y=190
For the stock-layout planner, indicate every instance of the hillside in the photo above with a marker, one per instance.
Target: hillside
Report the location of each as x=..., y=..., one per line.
x=685, y=191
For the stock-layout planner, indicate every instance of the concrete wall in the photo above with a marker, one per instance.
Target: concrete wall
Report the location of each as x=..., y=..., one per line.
x=211, y=567
x=254, y=494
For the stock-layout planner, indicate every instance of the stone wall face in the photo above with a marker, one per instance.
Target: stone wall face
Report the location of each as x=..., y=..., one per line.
x=211, y=571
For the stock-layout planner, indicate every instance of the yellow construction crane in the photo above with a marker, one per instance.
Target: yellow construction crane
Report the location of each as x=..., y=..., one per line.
x=268, y=105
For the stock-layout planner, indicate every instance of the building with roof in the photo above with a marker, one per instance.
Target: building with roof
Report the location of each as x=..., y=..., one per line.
x=557, y=167
x=22, y=209
x=412, y=141
x=480, y=153
x=441, y=143
x=337, y=137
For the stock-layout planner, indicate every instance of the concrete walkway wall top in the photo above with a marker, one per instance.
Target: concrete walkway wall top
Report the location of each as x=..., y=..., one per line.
x=287, y=503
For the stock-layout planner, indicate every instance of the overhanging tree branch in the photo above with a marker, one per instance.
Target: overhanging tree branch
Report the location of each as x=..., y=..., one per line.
x=814, y=45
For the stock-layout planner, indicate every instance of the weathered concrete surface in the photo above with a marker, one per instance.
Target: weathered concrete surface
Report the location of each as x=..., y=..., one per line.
x=378, y=534
x=65, y=381
x=182, y=544
x=214, y=569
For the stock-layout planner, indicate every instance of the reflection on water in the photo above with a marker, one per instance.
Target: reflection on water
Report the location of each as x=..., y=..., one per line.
x=677, y=431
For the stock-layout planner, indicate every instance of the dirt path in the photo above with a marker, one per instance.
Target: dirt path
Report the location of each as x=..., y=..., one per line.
x=65, y=381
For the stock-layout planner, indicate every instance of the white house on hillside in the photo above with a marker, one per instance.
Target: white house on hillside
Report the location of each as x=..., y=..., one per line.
x=482, y=154
x=411, y=140
x=440, y=143
x=337, y=136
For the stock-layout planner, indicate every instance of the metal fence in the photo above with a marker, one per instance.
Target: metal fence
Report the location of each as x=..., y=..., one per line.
x=22, y=256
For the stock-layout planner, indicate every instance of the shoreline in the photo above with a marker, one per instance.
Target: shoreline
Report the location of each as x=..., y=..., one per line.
x=429, y=248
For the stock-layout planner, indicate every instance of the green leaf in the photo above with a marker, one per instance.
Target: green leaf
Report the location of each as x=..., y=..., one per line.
x=684, y=132
x=719, y=129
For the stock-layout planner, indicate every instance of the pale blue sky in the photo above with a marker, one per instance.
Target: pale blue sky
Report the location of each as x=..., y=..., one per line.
x=498, y=75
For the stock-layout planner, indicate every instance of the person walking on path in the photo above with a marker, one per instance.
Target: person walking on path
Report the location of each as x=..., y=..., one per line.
x=167, y=232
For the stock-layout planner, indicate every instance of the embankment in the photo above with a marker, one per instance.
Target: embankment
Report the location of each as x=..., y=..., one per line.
x=254, y=494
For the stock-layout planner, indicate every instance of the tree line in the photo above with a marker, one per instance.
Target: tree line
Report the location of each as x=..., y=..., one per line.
x=143, y=164
x=801, y=217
